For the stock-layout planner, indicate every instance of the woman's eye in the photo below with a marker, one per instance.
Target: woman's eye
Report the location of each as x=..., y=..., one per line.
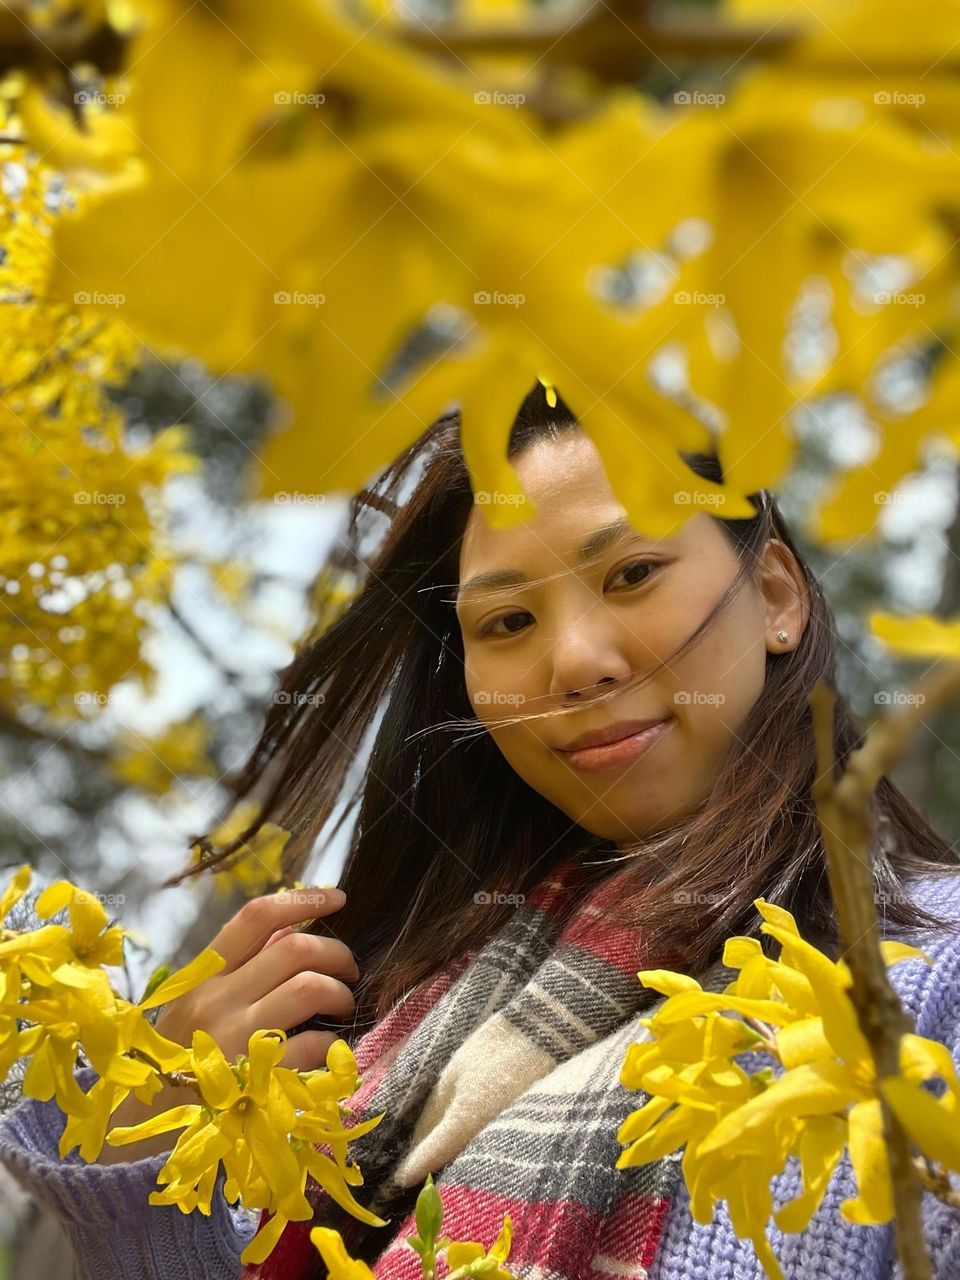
x=505, y=619
x=634, y=573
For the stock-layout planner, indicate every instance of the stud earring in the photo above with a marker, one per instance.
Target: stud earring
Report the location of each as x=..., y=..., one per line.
x=783, y=637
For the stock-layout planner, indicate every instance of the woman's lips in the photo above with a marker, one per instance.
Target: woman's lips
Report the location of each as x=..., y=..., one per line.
x=621, y=752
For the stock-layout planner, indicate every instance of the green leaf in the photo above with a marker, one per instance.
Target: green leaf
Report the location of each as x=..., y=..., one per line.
x=429, y=1212
x=160, y=974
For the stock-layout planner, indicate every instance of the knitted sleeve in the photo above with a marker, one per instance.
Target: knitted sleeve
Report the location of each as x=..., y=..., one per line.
x=939, y=1019
x=104, y=1209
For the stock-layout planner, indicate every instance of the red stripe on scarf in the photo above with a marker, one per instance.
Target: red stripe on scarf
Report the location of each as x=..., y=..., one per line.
x=375, y=1051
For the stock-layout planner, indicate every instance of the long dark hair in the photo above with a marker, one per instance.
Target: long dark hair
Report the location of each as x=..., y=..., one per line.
x=443, y=817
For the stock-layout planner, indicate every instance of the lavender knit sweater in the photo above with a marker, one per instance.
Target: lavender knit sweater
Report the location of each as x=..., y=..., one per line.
x=116, y=1233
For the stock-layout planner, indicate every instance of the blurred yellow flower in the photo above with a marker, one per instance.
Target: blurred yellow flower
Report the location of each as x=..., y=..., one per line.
x=922, y=636
x=256, y=866
x=82, y=539
x=156, y=763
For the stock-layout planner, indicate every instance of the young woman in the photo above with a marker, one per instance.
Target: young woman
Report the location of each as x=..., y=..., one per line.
x=591, y=751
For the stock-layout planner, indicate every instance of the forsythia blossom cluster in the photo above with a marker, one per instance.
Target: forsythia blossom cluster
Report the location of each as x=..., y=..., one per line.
x=738, y=1129
x=261, y=1121
x=52, y=980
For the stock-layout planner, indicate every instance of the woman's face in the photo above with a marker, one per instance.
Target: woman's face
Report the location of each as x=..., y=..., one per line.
x=563, y=631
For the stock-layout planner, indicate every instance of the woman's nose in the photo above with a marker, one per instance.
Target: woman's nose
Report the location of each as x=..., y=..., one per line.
x=584, y=663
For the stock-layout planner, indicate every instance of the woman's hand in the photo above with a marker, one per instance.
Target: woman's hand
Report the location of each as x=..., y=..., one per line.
x=273, y=977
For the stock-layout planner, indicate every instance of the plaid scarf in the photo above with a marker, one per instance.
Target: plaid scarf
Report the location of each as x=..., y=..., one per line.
x=502, y=1070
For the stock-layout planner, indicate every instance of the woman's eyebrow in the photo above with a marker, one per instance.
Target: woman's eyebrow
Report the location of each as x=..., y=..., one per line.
x=592, y=545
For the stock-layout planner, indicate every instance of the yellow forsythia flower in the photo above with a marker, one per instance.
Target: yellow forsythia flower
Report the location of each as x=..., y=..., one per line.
x=923, y=636
x=256, y=866
x=56, y=999
x=261, y=1121
x=738, y=1129
x=155, y=763
x=84, y=556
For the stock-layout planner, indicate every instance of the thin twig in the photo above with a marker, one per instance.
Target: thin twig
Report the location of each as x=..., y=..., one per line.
x=846, y=818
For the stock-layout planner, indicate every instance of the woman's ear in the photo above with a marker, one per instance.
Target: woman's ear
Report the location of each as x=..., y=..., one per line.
x=780, y=580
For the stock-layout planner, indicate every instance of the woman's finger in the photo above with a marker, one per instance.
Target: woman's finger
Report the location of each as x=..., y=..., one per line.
x=245, y=933
x=275, y=937
x=302, y=996
x=297, y=953
x=308, y=1050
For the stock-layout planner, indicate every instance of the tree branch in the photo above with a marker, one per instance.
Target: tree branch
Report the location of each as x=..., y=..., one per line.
x=846, y=818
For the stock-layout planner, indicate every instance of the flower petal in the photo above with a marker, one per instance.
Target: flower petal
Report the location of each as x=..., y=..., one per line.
x=203, y=966
x=868, y=1155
